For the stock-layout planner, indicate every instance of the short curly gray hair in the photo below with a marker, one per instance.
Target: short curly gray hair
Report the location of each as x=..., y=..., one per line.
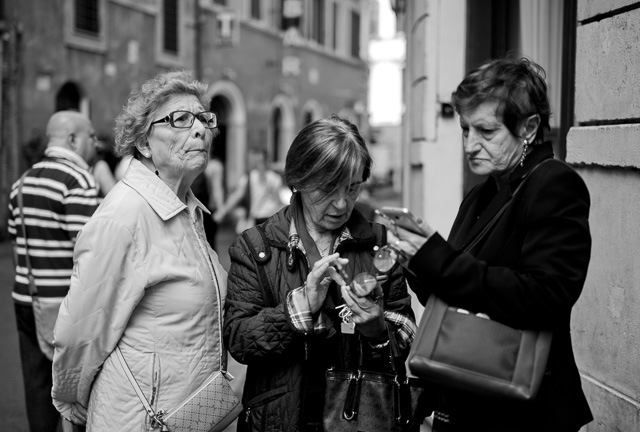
x=133, y=123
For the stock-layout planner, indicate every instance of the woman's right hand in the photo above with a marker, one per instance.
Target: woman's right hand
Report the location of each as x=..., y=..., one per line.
x=75, y=412
x=323, y=272
x=405, y=241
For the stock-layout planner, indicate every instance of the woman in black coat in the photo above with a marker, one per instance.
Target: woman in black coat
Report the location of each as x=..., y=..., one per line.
x=529, y=270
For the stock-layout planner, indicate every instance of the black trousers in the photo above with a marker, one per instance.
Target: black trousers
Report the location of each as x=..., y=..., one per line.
x=36, y=374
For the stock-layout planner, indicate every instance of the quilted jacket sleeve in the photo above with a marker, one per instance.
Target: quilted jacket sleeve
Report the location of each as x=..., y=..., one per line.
x=252, y=330
x=397, y=308
x=107, y=283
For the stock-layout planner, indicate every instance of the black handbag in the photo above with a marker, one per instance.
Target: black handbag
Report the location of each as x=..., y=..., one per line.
x=361, y=400
x=470, y=352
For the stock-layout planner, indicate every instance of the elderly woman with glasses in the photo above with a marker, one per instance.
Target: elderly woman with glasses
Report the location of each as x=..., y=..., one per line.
x=290, y=314
x=145, y=283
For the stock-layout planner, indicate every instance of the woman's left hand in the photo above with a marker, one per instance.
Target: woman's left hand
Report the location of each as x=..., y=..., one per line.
x=368, y=315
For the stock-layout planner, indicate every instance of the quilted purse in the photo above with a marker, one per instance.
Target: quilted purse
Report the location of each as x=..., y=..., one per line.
x=210, y=408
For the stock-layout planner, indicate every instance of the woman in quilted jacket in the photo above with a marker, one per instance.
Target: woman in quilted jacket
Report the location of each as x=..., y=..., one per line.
x=145, y=279
x=287, y=286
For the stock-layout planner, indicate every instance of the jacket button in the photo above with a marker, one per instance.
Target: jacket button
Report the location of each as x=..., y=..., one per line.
x=262, y=254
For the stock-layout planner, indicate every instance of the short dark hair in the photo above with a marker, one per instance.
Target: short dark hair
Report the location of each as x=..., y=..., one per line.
x=327, y=154
x=517, y=84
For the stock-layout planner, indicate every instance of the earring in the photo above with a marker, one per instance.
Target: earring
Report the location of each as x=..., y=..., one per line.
x=524, y=152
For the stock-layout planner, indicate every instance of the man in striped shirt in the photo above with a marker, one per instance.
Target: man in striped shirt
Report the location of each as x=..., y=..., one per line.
x=59, y=196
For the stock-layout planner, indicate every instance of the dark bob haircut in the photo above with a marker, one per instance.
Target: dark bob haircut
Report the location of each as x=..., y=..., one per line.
x=518, y=85
x=326, y=155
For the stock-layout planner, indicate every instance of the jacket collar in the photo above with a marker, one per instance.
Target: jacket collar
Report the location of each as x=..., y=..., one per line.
x=58, y=152
x=157, y=193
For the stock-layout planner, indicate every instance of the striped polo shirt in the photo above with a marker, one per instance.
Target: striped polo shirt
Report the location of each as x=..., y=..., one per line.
x=59, y=196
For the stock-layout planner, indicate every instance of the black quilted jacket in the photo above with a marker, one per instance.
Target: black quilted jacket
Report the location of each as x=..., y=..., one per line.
x=285, y=376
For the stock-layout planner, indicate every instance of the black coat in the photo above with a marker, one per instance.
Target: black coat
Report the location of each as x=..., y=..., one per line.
x=528, y=272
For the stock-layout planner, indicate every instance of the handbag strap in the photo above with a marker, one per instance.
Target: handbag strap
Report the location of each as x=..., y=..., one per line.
x=156, y=419
x=473, y=242
x=33, y=290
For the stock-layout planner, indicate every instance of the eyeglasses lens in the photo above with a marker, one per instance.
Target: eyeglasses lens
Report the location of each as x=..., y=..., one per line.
x=384, y=259
x=208, y=119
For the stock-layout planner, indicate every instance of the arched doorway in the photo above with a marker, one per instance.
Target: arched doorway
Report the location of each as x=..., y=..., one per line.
x=311, y=112
x=72, y=97
x=222, y=107
x=230, y=146
x=276, y=126
x=281, y=130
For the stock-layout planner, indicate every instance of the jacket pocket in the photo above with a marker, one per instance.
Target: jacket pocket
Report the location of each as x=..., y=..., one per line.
x=256, y=413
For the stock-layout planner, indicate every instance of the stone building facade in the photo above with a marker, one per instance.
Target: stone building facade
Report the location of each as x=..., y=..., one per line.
x=272, y=66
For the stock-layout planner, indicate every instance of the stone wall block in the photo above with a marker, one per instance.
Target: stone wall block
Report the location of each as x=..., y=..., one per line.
x=590, y=8
x=608, y=69
x=612, y=146
x=605, y=324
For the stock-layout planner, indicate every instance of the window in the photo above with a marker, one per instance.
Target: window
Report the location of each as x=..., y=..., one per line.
x=355, y=34
x=170, y=25
x=86, y=16
x=255, y=10
x=84, y=25
x=317, y=21
x=170, y=17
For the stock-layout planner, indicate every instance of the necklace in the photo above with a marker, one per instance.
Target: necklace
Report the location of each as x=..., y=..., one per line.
x=323, y=251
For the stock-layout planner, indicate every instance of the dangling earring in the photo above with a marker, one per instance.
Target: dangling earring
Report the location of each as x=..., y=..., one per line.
x=147, y=154
x=524, y=152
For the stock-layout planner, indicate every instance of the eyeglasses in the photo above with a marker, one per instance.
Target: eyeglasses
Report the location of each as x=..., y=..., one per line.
x=185, y=119
x=386, y=256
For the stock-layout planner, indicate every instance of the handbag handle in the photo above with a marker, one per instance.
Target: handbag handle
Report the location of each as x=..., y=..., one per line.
x=401, y=393
x=33, y=289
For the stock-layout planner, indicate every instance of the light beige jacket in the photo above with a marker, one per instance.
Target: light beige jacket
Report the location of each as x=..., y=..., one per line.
x=144, y=279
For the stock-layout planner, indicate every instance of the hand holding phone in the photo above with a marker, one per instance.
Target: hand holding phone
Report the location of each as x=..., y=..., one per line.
x=402, y=217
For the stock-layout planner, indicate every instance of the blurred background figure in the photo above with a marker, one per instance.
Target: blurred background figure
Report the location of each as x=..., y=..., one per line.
x=102, y=169
x=208, y=188
x=257, y=196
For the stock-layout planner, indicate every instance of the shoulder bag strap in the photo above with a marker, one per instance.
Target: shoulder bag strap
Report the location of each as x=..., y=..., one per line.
x=261, y=253
x=33, y=290
x=156, y=420
x=471, y=244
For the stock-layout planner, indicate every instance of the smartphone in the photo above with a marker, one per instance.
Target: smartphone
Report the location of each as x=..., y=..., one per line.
x=403, y=218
